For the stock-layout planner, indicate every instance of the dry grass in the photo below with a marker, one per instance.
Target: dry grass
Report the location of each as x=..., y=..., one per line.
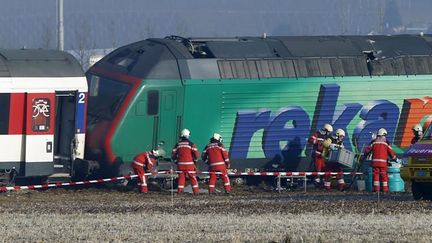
x=109, y=216
x=210, y=227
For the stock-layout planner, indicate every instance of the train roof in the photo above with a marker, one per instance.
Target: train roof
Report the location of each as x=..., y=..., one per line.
x=176, y=57
x=38, y=63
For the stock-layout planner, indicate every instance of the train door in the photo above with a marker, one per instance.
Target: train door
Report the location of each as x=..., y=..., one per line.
x=167, y=122
x=64, y=139
x=39, y=134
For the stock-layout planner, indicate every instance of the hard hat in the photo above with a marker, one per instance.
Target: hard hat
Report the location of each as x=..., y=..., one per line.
x=340, y=132
x=185, y=133
x=328, y=128
x=155, y=153
x=160, y=144
x=417, y=128
x=217, y=136
x=159, y=153
x=382, y=132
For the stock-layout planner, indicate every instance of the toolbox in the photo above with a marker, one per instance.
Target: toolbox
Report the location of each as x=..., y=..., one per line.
x=341, y=157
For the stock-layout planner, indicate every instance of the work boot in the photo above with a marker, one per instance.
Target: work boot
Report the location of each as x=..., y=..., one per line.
x=327, y=185
x=317, y=183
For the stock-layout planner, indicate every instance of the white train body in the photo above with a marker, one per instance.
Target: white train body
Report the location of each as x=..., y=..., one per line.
x=43, y=96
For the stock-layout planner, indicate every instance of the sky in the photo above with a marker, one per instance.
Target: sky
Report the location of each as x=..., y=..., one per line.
x=91, y=24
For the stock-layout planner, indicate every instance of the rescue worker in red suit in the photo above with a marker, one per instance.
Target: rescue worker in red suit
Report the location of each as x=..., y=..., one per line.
x=185, y=154
x=217, y=158
x=334, y=143
x=380, y=149
x=316, y=139
x=418, y=133
x=143, y=163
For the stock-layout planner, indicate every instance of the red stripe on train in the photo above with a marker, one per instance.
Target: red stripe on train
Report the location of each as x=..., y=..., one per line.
x=16, y=115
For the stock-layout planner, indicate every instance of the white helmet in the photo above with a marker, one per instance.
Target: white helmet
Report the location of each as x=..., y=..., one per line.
x=382, y=132
x=328, y=128
x=217, y=136
x=417, y=128
x=340, y=132
x=155, y=153
x=185, y=133
x=159, y=153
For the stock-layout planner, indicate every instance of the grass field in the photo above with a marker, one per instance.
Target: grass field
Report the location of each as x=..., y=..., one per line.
x=159, y=227
x=92, y=215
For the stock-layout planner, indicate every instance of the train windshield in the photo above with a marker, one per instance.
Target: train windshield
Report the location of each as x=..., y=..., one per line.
x=105, y=97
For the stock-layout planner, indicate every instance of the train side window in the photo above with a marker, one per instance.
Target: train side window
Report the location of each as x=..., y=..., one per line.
x=5, y=100
x=94, y=86
x=152, y=102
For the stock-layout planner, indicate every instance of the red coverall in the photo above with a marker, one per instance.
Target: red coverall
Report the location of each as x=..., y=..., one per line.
x=141, y=163
x=334, y=168
x=185, y=154
x=217, y=158
x=380, y=149
x=316, y=139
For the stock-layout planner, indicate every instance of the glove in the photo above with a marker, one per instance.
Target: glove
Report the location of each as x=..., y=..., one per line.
x=333, y=147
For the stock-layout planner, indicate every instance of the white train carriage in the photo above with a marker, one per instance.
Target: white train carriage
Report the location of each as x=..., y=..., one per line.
x=43, y=95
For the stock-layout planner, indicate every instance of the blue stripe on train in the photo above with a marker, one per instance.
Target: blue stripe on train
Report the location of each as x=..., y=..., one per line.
x=80, y=112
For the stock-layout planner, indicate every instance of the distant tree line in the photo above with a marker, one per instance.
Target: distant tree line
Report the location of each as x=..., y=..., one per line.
x=90, y=25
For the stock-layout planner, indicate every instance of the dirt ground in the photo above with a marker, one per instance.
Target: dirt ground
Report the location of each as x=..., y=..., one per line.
x=247, y=214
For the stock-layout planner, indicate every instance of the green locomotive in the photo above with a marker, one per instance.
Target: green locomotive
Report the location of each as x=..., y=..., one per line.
x=265, y=96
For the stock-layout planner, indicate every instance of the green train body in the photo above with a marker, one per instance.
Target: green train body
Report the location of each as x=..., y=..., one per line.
x=265, y=96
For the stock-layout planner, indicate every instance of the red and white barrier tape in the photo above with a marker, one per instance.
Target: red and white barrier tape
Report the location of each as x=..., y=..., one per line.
x=62, y=184
x=283, y=173
x=87, y=182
